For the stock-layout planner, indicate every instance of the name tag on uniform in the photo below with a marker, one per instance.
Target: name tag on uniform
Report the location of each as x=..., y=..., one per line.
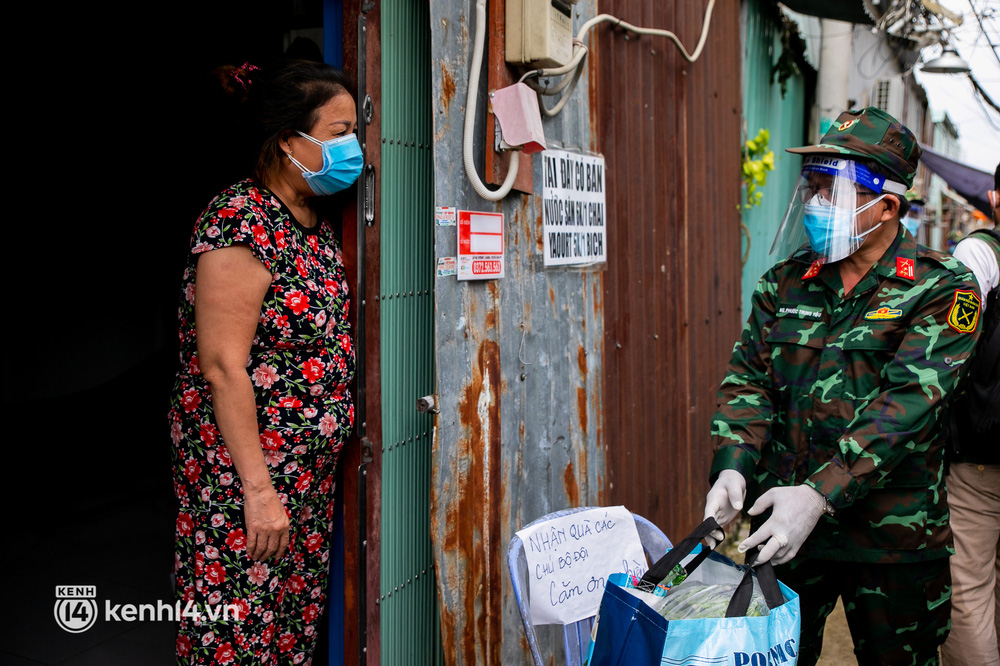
x=800, y=312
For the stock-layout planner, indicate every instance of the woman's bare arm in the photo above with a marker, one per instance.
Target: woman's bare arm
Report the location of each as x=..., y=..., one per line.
x=229, y=288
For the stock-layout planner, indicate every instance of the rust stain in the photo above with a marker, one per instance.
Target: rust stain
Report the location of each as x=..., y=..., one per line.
x=539, y=233
x=581, y=360
x=552, y=295
x=521, y=217
x=447, y=87
x=494, y=310
x=572, y=490
x=473, y=515
x=581, y=402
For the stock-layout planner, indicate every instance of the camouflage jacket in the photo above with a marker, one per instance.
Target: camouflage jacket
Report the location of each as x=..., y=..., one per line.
x=845, y=394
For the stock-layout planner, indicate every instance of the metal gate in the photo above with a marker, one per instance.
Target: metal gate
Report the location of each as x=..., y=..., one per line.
x=410, y=631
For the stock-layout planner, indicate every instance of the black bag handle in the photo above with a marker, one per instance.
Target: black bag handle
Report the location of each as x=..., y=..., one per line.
x=740, y=602
x=663, y=566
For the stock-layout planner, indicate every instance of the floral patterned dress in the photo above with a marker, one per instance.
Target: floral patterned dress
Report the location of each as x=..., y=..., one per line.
x=301, y=362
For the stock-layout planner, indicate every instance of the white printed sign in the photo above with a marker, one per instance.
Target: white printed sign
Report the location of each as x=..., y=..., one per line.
x=574, y=211
x=570, y=558
x=480, y=245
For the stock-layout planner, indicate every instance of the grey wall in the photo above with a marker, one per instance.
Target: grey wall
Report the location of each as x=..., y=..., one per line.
x=518, y=370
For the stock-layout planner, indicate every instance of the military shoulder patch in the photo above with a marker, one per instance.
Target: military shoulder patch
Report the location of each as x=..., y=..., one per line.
x=883, y=313
x=904, y=268
x=964, y=313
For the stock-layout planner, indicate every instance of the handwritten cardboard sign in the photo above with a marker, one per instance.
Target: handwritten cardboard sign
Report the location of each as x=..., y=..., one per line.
x=570, y=558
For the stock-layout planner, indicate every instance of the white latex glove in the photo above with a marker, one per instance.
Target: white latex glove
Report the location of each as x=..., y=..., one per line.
x=795, y=510
x=725, y=501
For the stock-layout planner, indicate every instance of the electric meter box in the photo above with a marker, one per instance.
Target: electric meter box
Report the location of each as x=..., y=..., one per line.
x=539, y=32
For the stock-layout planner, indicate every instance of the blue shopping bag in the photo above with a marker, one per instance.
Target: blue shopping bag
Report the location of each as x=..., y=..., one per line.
x=630, y=631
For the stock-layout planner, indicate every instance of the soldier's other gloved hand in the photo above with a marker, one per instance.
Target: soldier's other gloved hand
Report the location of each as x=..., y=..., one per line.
x=795, y=510
x=725, y=501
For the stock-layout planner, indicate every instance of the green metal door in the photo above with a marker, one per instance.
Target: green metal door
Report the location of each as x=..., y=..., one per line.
x=410, y=631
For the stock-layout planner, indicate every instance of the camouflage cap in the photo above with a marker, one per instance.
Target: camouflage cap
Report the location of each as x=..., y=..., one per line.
x=873, y=134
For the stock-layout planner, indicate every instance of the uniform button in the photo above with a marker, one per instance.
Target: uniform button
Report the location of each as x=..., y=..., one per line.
x=848, y=497
x=980, y=467
x=947, y=360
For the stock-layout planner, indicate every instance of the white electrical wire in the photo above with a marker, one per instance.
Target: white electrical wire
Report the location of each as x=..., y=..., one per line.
x=551, y=113
x=470, y=118
x=576, y=62
x=575, y=65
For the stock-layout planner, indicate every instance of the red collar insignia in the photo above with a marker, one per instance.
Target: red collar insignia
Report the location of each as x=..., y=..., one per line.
x=813, y=270
x=904, y=268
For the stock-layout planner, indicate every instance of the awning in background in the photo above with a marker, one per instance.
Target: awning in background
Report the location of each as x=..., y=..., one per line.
x=970, y=182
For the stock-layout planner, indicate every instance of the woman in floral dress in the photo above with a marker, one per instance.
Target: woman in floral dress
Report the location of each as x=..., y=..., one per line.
x=261, y=407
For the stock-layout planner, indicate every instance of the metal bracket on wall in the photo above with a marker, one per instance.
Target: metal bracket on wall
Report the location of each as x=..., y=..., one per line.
x=369, y=109
x=367, y=450
x=369, y=187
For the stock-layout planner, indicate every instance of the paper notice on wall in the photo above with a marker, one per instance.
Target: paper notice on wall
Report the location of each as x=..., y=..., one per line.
x=446, y=266
x=574, y=211
x=445, y=216
x=570, y=558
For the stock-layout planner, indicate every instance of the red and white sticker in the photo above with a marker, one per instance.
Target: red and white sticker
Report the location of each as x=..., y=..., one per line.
x=480, y=245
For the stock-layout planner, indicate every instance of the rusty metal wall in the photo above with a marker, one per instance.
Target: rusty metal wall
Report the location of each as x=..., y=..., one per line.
x=540, y=408
x=518, y=371
x=669, y=130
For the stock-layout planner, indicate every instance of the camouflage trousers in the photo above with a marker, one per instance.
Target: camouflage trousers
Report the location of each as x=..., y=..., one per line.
x=897, y=613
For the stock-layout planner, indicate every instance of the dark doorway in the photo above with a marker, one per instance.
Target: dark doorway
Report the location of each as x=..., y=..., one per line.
x=119, y=144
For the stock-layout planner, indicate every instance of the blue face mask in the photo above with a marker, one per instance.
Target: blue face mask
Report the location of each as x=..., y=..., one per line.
x=831, y=229
x=911, y=224
x=342, y=164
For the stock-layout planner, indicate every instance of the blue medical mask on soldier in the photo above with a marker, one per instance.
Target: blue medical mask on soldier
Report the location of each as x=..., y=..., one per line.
x=342, y=164
x=830, y=229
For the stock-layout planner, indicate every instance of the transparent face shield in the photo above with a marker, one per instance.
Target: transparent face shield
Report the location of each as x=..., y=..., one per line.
x=824, y=218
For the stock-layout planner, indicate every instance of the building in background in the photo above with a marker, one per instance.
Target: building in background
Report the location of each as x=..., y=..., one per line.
x=945, y=207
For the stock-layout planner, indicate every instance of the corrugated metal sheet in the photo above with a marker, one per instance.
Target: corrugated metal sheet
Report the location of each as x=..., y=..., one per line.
x=518, y=369
x=410, y=633
x=786, y=120
x=670, y=131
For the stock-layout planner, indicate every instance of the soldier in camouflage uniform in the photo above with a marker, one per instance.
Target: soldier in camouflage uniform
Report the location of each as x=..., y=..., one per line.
x=829, y=413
